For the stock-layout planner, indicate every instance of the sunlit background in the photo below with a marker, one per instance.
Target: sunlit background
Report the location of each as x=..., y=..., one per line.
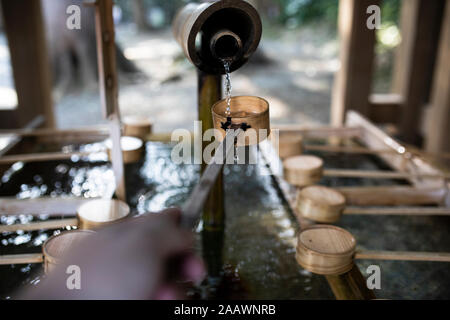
x=293, y=68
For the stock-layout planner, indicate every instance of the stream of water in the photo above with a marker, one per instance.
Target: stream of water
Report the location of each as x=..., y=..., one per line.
x=228, y=87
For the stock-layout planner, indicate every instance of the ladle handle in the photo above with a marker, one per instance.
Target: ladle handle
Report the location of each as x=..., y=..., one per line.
x=403, y=256
x=21, y=258
x=194, y=205
x=400, y=211
x=373, y=174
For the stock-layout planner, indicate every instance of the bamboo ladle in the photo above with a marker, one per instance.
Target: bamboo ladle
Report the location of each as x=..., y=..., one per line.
x=53, y=250
x=90, y=215
x=306, y=170
x=330, y=250
x=325, y=205
x=139, y=127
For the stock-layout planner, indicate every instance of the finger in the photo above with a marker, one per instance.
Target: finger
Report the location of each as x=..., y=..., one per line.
x=177, y=243
x=186, y=267
x=193, y=269
x=168, y=292
x=173, y=213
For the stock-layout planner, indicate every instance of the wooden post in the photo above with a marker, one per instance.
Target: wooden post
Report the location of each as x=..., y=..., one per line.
x=413, y=63
x=353, y=82
x=139, y=11
x=350, y=286
x=437, y=139
x=25, y=30
x=209, y=92
x=106, y=51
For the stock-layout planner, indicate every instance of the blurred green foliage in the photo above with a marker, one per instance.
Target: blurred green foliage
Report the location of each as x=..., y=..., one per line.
x=306, y=11
x=299, y=12
x=390, y=11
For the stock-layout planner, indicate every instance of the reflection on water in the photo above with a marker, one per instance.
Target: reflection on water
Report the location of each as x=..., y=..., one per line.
x=259, y=237
x=259, y=246
x=164, y=184
x=34, y=180
x=259, y=243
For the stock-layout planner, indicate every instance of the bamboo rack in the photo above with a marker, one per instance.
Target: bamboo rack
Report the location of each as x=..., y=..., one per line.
x=42, y=132
x=393, y=196
x=363, y=150
x=342, y=173
x=22, y=258
x=430, y=188
x=320, y=132
x=399, y=211
x=44, y=225
x=350, y=285
x=42, y=157
x=41, y=206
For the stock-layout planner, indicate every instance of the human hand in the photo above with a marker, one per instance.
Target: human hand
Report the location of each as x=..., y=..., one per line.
x=139, y=258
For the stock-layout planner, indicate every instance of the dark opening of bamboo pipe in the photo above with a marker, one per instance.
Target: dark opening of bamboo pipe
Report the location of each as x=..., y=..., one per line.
x=226, y=45
x=229, y=29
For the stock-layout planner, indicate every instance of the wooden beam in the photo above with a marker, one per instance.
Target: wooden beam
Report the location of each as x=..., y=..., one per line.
x=438, y=131
x=383, y=174
x=109, y=91
x=15, y=140
x=393, y=196
x=353, y=81
x=42, y=225
x=318, y=132
x=41, y=157
x=374, y=137
x=345, y=149
x=403, y=256
x=97, y=130
x=106, y=53
x=39, y=206
x=403, y=57
x=14, y=144
x=385, y=108
x=22, y=258
x=398, y=211
x=364, y=150
x=25, y=30
x=413, y=65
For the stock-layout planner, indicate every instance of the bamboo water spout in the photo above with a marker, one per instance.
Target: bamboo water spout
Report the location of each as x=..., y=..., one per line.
x=215, y=30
